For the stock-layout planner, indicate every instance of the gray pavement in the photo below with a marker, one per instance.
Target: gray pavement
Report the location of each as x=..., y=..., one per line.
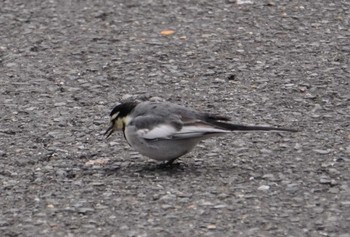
x=65, y=64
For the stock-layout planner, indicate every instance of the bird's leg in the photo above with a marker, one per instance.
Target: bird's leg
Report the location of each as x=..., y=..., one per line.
x=168, y=164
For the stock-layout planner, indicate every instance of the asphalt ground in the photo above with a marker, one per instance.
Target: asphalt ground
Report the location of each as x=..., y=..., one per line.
x=65, y=64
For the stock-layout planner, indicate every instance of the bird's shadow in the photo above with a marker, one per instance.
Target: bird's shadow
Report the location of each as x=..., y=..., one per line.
x=153, y=168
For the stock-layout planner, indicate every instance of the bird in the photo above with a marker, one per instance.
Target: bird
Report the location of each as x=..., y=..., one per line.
x=165, y=131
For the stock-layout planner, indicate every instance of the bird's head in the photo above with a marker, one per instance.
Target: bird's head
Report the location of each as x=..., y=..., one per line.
x=120, y=117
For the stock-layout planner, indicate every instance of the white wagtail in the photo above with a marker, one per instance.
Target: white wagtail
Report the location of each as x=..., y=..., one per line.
x=164, y=131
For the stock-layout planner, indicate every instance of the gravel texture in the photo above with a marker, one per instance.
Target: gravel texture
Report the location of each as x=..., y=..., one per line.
x=65, y=64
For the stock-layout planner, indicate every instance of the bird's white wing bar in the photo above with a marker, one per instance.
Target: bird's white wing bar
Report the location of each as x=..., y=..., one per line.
x=189, y=131
x=167, y=131
x=162, y=131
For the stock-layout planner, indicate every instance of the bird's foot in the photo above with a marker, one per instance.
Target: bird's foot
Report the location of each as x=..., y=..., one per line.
x=169, y=164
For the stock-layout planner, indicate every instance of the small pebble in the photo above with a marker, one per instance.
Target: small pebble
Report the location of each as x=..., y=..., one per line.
x=264, y=188
x=322, y=152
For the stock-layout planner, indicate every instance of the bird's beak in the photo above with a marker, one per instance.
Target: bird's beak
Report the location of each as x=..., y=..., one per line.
x=109, y=131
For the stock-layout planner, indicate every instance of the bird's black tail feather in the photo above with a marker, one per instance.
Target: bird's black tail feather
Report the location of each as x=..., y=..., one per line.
x=238, y=127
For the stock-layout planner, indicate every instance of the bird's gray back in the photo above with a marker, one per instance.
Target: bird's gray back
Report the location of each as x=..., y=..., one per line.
x=164, y=110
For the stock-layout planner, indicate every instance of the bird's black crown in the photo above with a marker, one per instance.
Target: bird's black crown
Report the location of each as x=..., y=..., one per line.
x=123, y=109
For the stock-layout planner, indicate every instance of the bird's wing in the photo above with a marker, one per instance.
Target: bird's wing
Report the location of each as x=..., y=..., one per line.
x=155, y=127
x=152, y=127
x=168, y=121
x=196, y=129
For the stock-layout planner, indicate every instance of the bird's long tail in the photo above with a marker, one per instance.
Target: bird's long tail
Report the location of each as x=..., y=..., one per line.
x=239, y=127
